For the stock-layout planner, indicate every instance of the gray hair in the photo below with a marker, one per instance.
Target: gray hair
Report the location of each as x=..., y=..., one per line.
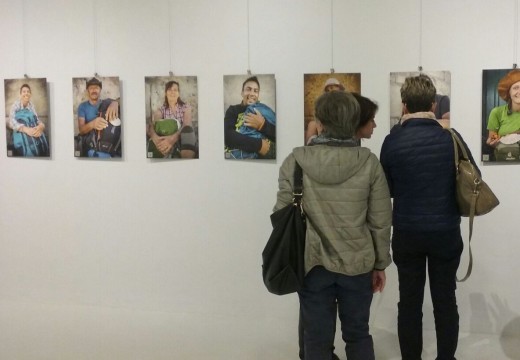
x=418, y=93
x=338, y=112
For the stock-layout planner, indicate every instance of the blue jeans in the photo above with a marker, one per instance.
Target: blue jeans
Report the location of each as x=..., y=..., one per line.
x=99, y=154
x=413, y=253
x=301, y=345
x=321, y=290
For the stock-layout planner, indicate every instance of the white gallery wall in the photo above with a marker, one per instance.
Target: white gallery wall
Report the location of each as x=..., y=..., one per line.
x=142, y=259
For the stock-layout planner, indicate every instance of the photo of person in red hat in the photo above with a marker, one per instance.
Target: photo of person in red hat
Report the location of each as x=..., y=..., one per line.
x=503, y=122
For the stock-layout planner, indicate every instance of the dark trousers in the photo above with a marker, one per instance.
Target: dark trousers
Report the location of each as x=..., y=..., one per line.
x=323, y=294
x=301, y=344
x=413, y=253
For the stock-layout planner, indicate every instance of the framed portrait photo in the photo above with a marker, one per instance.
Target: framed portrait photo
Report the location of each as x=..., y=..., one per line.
x=501, y=116
x=97, y=117
x=27, y=119
x=249, y=117
x=316, y=84
x=172, y=125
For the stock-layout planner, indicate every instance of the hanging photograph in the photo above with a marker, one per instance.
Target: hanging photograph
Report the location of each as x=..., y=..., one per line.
x=250, y=117
x=27, y=120
x=501, y=115
x=171, y=117
x=97, y=117
x=441, y=107
x=316, y=84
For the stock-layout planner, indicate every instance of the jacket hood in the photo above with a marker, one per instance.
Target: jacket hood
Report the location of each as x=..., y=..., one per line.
x=331, y=164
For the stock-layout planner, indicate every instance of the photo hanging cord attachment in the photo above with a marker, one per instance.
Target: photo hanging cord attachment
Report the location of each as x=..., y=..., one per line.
x=26, y=76
x=171, y=73
x=248, y=71
x=332, y=70
x=514, y=66
x=420, y=68
x=96, y=75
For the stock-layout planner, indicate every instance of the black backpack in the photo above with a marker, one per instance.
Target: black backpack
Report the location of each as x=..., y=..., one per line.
x=107, y=140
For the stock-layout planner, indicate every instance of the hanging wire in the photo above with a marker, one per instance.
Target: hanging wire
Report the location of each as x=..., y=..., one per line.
x=420, y=34
x=248, y=43
x=24, y=40
x=515, y=40
x=332, y=36
x=170, y=33
x=94, y=34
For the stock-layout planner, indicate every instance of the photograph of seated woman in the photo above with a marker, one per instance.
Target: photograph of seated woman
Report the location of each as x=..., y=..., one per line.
x=504, y=120
x=27, y=130
x=170, y=132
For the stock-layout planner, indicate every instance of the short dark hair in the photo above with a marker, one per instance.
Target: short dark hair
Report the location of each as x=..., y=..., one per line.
x=253, y=79
x=367, y=109
x=418, y=93
x=26, y=86
x=338, y=112
x=94, y=81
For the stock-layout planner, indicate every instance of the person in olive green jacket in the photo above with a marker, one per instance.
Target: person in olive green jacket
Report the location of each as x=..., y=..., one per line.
x=348, y=208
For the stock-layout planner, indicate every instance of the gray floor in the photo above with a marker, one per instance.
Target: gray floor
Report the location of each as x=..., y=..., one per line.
x=47, y=331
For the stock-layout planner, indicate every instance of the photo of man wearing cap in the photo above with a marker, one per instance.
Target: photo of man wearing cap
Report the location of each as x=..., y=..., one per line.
x=316, y=84
x=501, y=115
x=97, y=118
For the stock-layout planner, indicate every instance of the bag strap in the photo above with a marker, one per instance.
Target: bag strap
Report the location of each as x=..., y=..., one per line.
x=457, y=143
x=298, y=186
x=298, y=180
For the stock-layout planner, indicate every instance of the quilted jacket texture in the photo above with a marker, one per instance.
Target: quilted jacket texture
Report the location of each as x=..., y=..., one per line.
x=348, y=207
x=418, y=159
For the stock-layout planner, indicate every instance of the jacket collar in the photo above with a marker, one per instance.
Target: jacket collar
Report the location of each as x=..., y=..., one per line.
x=322, y=140
x=418, y=115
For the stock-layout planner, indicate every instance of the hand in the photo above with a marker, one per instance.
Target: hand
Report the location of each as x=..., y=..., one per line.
x=38, y=130
x=162, y=144
x=493, y=140
x=266, y=145
x=112, y=111
x=30, y=131
x=99, y=123
x=378, y=280
x=255, y=121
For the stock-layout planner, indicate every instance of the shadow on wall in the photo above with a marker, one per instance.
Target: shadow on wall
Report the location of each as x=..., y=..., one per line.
x=496, y=316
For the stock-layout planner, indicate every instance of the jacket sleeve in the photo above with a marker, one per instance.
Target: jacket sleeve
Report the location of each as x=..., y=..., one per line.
x=384, y=162
x=235, y=140
x=493, y=120
x=285, y=183
x=269, y=130
x=379, y=216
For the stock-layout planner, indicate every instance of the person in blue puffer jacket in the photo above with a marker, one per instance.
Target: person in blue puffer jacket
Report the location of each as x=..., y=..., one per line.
x=418, y=160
